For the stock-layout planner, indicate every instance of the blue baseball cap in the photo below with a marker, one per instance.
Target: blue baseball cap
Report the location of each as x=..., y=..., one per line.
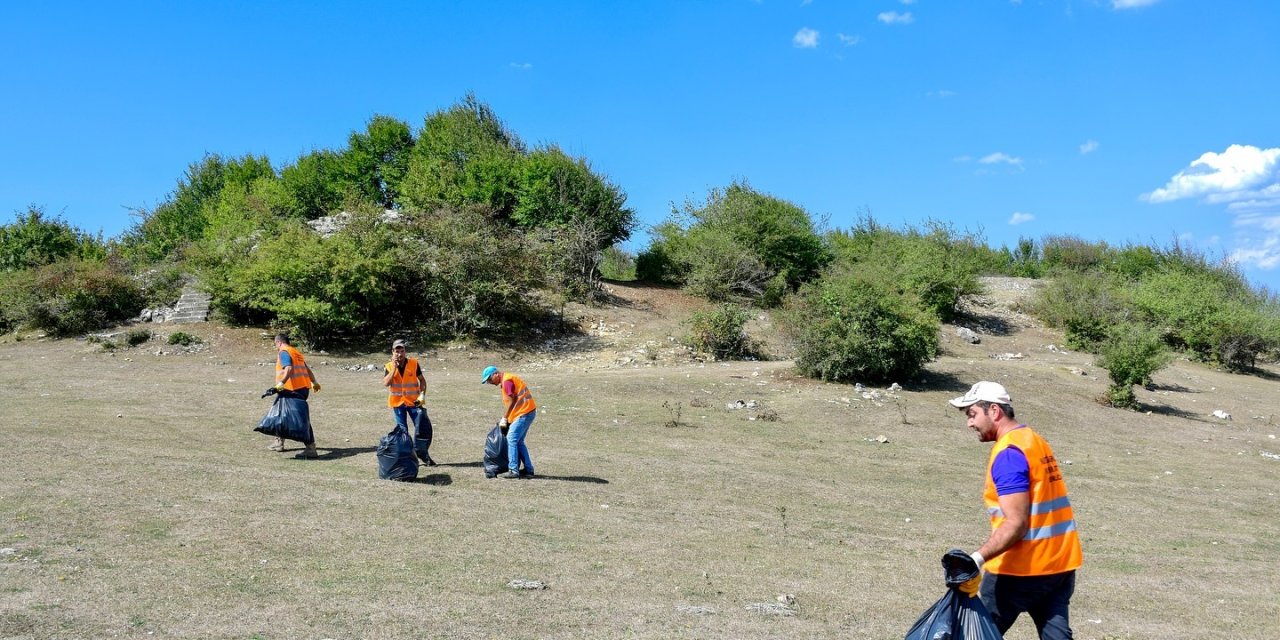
x=488, y=371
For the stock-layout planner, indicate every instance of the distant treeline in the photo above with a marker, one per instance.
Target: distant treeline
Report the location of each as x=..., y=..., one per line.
x=459, y=229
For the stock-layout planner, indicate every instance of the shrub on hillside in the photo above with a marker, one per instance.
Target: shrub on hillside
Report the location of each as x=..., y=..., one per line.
x=617, y=263
x=720, y=332
x=1210, y=312
x=737, y=245
x=71, y=297
x=848, y=328
x=937, y=264
x=1084, y=306
x=1131, y=354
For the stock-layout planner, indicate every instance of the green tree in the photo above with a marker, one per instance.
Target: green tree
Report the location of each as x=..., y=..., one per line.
x=317, y=183
x=377, y=159
x=34, y=239
x=464, y=155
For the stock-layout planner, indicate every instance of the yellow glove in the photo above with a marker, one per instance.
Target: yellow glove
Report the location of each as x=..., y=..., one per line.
x=971, y=586
x=422, y=397
x=279, y=386
x=315, y=386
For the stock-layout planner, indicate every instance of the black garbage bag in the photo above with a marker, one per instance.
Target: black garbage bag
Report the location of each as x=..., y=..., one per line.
x=395, y=456
x=957, y=615
x=288, y=418
x=422, y=436
x=495, y=452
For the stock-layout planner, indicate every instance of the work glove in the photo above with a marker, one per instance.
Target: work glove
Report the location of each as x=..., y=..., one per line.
x=502, y=424
x=315, y=386
x=269, y=392
x=422, y=397
x=963, y=572
x=279, y=386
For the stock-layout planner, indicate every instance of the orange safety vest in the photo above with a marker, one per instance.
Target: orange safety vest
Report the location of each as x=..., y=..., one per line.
x=404, y=387
x=1051, y=544
x=524, y=400
x=299, y=375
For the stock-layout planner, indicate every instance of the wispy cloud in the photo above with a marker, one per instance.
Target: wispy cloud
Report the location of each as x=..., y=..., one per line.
x=523, y=66
x=1019, y=217
x=1000, y=157
x=805, y=38
x=907, y=1
x=848, y=40
x=941, y=93
x=1088, y=147
x=1131, y=4
x=893, y=17
x=1244, y=178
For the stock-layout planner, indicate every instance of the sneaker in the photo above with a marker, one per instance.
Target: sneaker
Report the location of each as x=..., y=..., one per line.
x=510, y=475
x=278, y=445
x=429, y=462
x=307, y=454
x=526, y=474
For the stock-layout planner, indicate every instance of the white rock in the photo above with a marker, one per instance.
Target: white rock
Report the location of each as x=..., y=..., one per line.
x=1221, y=415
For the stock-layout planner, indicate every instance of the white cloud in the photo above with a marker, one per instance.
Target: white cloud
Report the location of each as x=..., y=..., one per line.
x=1241, y=174
x=1019, y=217
x=1247, y=180
x=893, y=17
x=1131, y=4
x=523, y=66
x=1000, y=157
x=848, y=41
x=941, y=93
x=1088, y=147
x=805, y=38
x=907, y=1
x=964, y=158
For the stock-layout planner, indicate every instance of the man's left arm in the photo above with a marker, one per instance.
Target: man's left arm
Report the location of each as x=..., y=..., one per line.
x=1017, y=519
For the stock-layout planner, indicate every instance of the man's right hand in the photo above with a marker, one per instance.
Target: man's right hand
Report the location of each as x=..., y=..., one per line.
x=502, y=424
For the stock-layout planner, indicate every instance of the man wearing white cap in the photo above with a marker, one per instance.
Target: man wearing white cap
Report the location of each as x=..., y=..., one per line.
x=1033, y=551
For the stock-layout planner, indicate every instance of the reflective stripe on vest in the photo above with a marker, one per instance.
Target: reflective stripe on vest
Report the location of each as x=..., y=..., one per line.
x=299, y=372
x=404, y=387
x=1051, y=544
x=524, y=400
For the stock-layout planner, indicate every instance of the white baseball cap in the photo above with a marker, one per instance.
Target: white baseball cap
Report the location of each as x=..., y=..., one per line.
x=984, y=391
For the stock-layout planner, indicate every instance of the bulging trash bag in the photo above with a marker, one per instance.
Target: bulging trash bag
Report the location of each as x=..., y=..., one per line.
x=395, y=456
x=495, y=452
x=288, y=418
x=957, y=615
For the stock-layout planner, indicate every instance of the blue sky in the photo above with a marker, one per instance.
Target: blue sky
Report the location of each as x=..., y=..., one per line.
x=1144, y=121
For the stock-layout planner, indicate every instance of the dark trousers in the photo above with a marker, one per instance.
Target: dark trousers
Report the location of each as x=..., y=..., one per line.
x=421, y=428
x=1045, y=598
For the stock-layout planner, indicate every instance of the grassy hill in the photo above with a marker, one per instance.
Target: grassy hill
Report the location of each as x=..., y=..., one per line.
x=135, y=500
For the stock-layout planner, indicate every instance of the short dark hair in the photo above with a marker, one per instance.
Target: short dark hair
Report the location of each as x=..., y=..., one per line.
x=1006, y=408
x=283, y=337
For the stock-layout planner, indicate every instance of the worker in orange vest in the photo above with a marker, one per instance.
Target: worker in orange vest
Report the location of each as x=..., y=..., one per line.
x=519, y=415
x=406, y=395
x=294, y=379
x=1033, y=551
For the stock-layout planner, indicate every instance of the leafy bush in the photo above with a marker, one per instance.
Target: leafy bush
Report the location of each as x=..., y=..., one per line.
x=71, y=297
x=850, y=328
x=720, y=332
x=1084, y=305
x=617, y=263
x=135, y=337
x=184, y=339
x=1072, y=253
x=1131, y=354
x=738, y=245
x=937, y=264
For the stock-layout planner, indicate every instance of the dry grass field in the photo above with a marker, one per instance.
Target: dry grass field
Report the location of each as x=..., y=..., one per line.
x=137, y=502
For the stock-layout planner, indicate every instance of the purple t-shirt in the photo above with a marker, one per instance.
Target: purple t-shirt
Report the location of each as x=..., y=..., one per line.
x=1010, y=471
